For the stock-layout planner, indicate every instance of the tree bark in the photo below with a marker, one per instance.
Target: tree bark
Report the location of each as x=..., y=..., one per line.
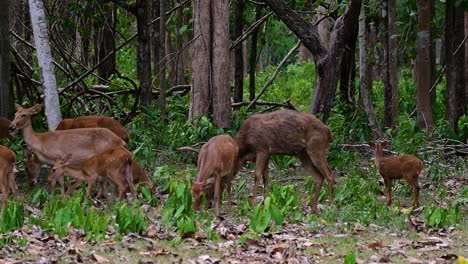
x=5, y=99
x=201, y=60
x=326, y=61
x=423, y=99
x=162, y=64
x=222, y=111
x=365, y=74
x=347, y=72
x=144, y=51
x=105, y=43
x=454, y=30
x=44, y=57
x=390, y=69
x=238, y=54
x=253, y=55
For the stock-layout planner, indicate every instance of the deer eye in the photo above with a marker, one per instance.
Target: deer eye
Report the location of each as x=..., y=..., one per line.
x=53, y=170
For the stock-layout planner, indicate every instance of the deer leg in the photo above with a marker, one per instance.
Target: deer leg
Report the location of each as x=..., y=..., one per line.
x=316, y=176
x=229, y=189
x=261, y=162
x=91, y=182
x=217, y=195
x=129, y=178
x=319, y=162
x=4, y=188
x=73, y=186
x=388, y=190
x=413, y=182
x=12, y=183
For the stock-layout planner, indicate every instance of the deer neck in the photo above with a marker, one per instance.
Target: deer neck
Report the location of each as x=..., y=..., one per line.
x=30, y=137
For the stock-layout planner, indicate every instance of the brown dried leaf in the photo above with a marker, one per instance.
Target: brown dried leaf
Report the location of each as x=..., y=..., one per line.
x=99, y=258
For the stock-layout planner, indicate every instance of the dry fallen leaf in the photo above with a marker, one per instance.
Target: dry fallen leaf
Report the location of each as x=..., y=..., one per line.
x=99, y=258
x=375, y=244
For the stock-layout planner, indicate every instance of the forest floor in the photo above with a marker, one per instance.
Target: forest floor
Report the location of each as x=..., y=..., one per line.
x=314, y=239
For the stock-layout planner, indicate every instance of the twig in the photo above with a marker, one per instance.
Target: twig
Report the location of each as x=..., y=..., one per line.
x=249, y=30
x=268, y=83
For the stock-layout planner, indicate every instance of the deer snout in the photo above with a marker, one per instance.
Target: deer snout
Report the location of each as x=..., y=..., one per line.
x=12, y=129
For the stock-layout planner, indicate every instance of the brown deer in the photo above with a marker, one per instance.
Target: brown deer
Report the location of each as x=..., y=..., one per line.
x=7, y=175
x=53, y=145
x=406, y=167
x=291, y=133
x=217, y=160
x=4, y=124
x=33, y=166
x=141, y=176
x=95, y=121
x=114, y=165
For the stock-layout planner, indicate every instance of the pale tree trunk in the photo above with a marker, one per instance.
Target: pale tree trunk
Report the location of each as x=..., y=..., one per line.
x=220, y=67
x=144, y=51
x=238, y=54
x=365, y=73
x=201, y=59
x=162, y=65
x=5, y=100
x=390, y=69
x=423, y=98
x=466, y=62
x=44, y=57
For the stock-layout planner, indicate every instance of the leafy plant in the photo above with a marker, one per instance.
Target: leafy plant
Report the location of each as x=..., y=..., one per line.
x=178, y=210
x=130, y=219
x=12, y=217
x=435, y=216
x=350, y=258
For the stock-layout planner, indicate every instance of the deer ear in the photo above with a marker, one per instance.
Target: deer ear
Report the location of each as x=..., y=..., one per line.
x=18, y=107
x=36, y=108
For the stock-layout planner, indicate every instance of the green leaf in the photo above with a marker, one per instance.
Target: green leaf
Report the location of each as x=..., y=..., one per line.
x=277, y=216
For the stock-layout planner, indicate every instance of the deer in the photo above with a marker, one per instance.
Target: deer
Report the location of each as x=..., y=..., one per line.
x=406, y=167
x=95, y=121
x=7, y=175
x=33, y=166
x=4, y=124
x=217, y=160
x=286, y=132
x=53, y=145
x=141, y=176
x=114, y=165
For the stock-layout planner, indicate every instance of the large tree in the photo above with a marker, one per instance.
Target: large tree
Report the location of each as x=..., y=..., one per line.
x=5, y=100
x=144, y=51
x=423, y=68
x=46, y=67
x=327, y=60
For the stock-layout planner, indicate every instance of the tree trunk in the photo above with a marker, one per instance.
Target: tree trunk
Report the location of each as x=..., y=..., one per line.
x=220, y=68
x=253, y=55
x=201, y=60
x=5, y=99
x=390, y=69
x=326, y=61
x=179, y=62
x=44, y=57
x=454, y=30
x=105, y=42
x=365, y=73
x=238, y=54
x=156, y=47
x=162, y=65
x=347, y=72
x=144, y=52
x=433, y=55
x=466, y=63
x=423, y=99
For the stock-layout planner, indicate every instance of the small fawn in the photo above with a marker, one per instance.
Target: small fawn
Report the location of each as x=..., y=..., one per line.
x=406, y=167
x=114, y=165
x=217, y=160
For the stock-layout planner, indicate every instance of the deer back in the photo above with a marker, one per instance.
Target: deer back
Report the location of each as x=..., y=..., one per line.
x=217, y=156
x=95, y=121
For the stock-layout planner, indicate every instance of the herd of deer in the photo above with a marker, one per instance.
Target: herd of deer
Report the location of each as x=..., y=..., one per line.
x=93, y=149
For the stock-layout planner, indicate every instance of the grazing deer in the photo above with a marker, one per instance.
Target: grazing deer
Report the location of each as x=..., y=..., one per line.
x=4, y=124
x=217, y=160
x=114, y=165
x=53, y=145
x=291, y=133
x=33, y=166
x=95, y=121
x=7, y=175
x=406, y=167
x=141, y=176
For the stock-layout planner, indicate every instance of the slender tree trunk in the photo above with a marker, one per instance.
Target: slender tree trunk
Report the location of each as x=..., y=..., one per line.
x=390, y=69
x=454, y=30
x=347, y=72
x=433, y=55
x=179, y=62
x=222, y=111
x=423, y=99
x=156, y=47
x=44, y=57
x=201, y=60
x=365, y=73
x=144, y=51
x=466, y=64
x=238, y=54
x=105, y=43
x=162, y=65
x=5, y=99
x=253, y=55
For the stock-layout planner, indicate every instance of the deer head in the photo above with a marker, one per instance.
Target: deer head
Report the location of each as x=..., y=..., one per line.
x=23, y=118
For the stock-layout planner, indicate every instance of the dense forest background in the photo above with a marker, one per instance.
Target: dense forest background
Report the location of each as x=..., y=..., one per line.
x=177, y=72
